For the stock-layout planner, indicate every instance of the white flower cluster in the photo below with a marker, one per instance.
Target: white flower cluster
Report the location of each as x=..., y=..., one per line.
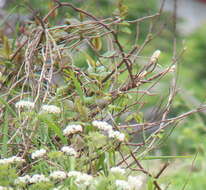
x=104, y=126
x=69, y=151
x=23, y=180
x=37, y=178
x=38, y=153
x=58, y=175
x=11, y=160
x=133, y=183
x=81, y=178
x=24, y=103
x=124, y=185
x=5, y=188
x=72, y=129
x=117, y=170
x=50, y=109
x=116, y=134
x=74, y=174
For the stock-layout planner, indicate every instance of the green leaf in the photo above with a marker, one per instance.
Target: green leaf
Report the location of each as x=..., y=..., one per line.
x=56, y=129
x=109, y=54
x=137, y=116
x=100, y=163
x=5, y=133
x=163, y=157
x=77, y=86
x=124, y=23
x=7, y=49
x=103, y=184
x=89, y=60
x=80, y=108
x=72, y=165
x=126, y=30
x=150, y=185
x=112, y=157
x=2, y=101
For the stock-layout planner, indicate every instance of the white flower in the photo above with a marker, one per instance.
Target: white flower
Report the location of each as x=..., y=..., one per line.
x=116, y=134
x=71, y=129
x=58, y=175
x=74, y=174
x=155, y=56
x=24, y=103
x=102, y=125
x=38, y=153
x=50, y=109
x=135, y=182
x=69, y=151
x=124, y=185
x=16, y=159
x=113, y=134
x=5, y=161
x=24, y=179
x=117, y=170
x=38, y=178
x=120, y=137
x=11, y=160
x=83, y=179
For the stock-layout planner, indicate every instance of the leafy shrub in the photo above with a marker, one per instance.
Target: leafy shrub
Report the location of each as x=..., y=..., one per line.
x=74, y=100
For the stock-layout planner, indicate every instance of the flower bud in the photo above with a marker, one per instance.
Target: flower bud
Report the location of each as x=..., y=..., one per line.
x=155, y=56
